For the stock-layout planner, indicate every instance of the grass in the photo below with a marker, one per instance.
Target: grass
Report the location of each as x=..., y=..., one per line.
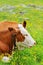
x=29, y=56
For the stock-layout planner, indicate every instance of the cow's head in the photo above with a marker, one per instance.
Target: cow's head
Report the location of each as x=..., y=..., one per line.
x=28, y=41
x=22, y=35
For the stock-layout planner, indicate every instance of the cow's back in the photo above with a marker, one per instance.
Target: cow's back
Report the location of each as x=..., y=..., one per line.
x=5, y=24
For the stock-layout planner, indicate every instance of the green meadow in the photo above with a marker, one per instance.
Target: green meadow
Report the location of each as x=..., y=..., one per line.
x=32, y=12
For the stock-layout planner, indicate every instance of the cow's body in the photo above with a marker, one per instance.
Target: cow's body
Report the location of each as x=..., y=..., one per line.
x=6, y=43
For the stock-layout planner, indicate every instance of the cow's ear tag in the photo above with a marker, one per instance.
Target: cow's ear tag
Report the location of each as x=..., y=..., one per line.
x=10, y=29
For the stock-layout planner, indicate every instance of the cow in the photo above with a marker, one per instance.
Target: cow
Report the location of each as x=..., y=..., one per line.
x=12, y=32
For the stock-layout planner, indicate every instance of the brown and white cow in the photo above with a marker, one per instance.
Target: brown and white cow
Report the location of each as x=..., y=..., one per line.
x=11, y=33
x=24, y=37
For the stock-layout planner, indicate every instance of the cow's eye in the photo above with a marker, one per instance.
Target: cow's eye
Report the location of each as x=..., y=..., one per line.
x=26, y=35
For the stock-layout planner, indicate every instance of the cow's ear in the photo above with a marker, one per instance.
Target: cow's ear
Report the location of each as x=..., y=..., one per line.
x=10, y=29
x=24, y=24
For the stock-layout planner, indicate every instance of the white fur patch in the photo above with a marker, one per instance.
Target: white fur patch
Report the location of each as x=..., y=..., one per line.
x=5, y=59
x=29, y=41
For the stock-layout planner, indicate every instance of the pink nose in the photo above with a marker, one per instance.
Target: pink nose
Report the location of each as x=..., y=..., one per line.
x=31, y=46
